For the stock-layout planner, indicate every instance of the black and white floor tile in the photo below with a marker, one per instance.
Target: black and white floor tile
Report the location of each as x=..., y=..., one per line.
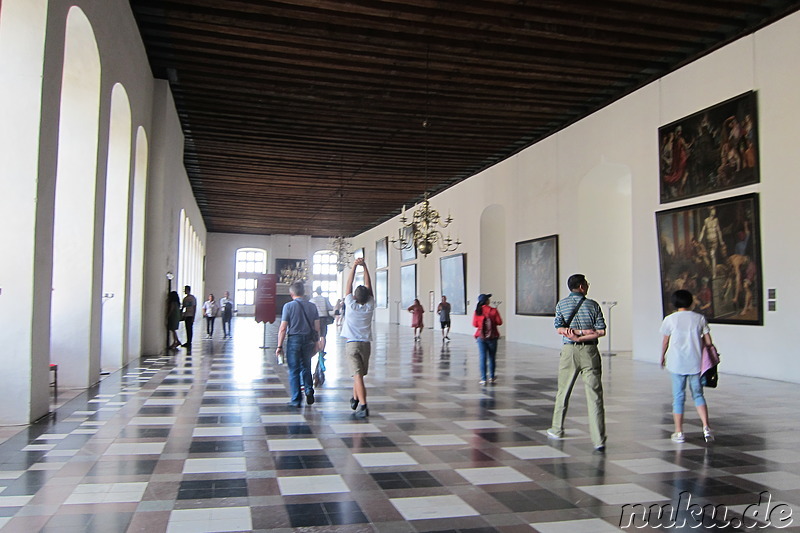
x=204, y=442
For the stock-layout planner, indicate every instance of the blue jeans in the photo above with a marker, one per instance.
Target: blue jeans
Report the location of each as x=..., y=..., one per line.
x=679, y=391
x=487, y=348
x=299, y=351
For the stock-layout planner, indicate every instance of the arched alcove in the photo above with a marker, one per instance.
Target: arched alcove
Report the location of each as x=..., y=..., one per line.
x=605, y=255
x=190, y=257
x=73, y=307
x=115, y=233
x=25, y=271
x=136, y=288
x=493, y=253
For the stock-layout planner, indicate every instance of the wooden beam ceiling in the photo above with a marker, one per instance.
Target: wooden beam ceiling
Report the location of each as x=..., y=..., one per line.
x=290, y=108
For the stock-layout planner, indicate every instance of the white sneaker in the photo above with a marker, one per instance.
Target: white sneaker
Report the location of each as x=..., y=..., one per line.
x=708, y=434
x=678, y=437
x=555, y=434
x=482, y=382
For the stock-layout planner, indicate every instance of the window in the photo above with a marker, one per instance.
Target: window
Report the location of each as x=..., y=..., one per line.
x=326, y=276
x=250, y=263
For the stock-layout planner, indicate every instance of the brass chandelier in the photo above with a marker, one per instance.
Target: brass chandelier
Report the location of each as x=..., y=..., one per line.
x=423, y=230
x=340, y=246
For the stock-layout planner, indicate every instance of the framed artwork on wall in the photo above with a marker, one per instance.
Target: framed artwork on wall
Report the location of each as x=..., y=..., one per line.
x=537, y=276
x=408, y=285
x=382, y=289
x=453, y=271
x=282, y=264
x=408, y=254
x=382, y=253
x=713, y=250
x=712, y=150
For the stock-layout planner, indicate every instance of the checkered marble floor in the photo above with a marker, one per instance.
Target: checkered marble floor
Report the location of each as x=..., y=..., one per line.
x=205, y=442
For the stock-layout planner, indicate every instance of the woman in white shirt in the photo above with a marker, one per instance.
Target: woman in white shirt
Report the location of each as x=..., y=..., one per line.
x=685, y=332
x=210, y=311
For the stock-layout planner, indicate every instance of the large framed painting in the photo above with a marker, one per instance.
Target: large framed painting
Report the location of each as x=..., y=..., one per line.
x=713, y=250
x=410, y=253
x=408, y=285
x=382, y=253
x=453, y=271
x=537, y=276
x=712, y=150
x=382, y=289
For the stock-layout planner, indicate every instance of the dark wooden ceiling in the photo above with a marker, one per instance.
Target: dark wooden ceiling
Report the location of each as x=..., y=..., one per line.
x=292, y=107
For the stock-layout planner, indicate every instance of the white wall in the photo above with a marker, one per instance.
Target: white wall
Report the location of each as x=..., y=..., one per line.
x=169, y=192
x=595, y=184
x=767, y=62
x=32, y=43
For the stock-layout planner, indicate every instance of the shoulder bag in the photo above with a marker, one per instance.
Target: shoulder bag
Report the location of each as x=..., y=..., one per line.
x=575, y=312
x=314, y=333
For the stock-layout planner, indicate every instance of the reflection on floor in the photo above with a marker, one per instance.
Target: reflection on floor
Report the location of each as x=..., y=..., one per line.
x=205, y=442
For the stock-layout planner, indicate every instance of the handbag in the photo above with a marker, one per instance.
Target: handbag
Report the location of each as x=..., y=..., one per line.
x=709, y=361
x=710, y=378
x=314, y=333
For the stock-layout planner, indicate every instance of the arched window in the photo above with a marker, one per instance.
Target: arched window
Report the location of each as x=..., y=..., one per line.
x=250, y=263
x=325, y=275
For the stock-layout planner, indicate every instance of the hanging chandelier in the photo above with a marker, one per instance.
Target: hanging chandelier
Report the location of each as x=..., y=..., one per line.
x=341, y=248
x=423, y=230
x=296, y=272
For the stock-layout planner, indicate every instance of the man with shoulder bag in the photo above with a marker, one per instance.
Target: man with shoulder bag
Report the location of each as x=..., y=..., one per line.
x=300, y=328
x=579, y=321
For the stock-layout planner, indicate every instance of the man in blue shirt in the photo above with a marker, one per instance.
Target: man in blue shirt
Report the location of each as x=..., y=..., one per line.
x=298, y=321
x=580, y=322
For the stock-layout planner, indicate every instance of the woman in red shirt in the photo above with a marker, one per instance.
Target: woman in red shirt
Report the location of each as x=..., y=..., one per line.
x=486, y=319
x=416, y=311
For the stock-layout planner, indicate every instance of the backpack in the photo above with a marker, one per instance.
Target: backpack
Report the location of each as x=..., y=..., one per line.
x=487, y=327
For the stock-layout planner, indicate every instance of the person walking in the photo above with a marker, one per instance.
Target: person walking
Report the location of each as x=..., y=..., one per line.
x=485, y=320
x=226, y=306
x=337, y=312
x=685, y=332
x=299, y=322
x=189, y=310
x=324, y=308
x=579, y=320
x=357, y=329
x=416, y=311
x=444, y=317
x=173, y=317
x=210, y=312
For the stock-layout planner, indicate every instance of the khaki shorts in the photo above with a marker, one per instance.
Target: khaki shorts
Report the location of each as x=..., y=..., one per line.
x=357, y=353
